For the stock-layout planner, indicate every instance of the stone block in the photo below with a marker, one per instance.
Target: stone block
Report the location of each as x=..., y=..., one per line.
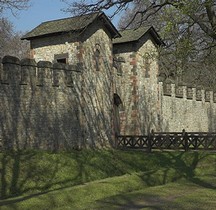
x=167, y=89
x=179, y=91
x=189, y=93
x=198, y=94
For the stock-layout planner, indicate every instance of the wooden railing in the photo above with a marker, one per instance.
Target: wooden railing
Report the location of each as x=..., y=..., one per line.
x=169, y=140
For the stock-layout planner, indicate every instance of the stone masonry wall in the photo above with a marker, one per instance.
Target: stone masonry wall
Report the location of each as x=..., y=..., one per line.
x=148, y=104
x=39, y=105
x=189, y=108
x=44, y=48
x=77, y=112
x=50, y=105
x=97, y=89
x=147, y=73
x=93, y=88
x=138, y=88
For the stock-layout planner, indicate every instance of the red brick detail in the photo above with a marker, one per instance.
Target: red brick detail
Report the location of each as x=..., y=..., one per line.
x=80, y=56
x=136, y=98
x=80, y=52
x=134, y=91
x=122, y=117
x=134, y=113
x=133, y=62
x=134, y=78
x=32, y=54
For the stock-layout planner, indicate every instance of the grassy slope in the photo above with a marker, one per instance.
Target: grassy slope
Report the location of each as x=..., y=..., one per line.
x=176, y=195
x=28, y=173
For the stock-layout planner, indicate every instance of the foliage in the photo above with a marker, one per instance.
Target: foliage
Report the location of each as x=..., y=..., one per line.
x=186, y=57
x=188, y=27
x=199, y=12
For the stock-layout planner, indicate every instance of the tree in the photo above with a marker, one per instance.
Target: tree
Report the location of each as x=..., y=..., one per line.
x=200, y=12
x=189, y=50
x=188, y=27
x=13, y=5
x=10, y=41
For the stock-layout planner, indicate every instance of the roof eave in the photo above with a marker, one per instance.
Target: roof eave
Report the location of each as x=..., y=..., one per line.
x=110, y=26
x=47, y=35
x=156, y=36
x=40, y=36
x=125, y=42
x=152, y=32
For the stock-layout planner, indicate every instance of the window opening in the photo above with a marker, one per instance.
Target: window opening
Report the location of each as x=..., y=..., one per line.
x=147, y=68
x=61, y=60
x=97, y=59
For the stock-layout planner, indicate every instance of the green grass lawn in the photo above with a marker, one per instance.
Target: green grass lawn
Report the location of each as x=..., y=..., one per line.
x=176, y=195
x=108, y=179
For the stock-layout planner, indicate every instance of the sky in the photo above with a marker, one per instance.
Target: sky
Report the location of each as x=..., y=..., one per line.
x=40, y=11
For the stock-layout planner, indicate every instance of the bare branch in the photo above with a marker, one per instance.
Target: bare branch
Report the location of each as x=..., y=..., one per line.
x=13, y=5
x=83, y=7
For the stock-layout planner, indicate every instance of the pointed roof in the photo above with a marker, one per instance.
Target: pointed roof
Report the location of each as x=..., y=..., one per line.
x=70, y=24
x=133, y=35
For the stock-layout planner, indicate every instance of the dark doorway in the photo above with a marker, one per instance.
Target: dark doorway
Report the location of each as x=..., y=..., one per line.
x=117, y=103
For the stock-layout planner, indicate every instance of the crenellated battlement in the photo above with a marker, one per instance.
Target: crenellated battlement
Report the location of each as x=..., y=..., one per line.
x=44, y=73
x=188, y=92
x=53, y=105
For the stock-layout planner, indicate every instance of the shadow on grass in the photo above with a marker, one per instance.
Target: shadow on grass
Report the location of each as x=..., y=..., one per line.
x=171, y=167
x=165, y=167
x=32, y=173
x=36, y=172
x=205, y=184
x=137, y=201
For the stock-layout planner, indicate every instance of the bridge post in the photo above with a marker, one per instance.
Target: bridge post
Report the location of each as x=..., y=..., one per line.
x=116, y=141
x=150, y=140
x=185, y=140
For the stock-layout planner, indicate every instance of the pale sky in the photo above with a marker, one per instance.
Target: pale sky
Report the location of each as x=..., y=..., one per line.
x=40, y=11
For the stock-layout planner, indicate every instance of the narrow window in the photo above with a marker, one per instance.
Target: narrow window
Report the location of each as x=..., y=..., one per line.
x=97, y=59
x=97, y=56
x=61, y=58
x=147, y=68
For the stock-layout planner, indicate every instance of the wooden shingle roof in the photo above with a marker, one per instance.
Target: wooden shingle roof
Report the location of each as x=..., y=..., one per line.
x=70, y=24
x=133, y=35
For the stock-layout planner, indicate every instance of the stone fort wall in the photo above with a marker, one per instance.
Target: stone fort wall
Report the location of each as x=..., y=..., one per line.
x=137, y=85
x=186, y=107
x=39, y=106
x=58, y=106
x=51, y=106
x=149, y=104
x=91, y=51
x=48, y=106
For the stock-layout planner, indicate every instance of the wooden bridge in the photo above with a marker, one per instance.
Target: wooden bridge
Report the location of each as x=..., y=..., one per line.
x=169, y=140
